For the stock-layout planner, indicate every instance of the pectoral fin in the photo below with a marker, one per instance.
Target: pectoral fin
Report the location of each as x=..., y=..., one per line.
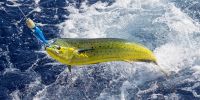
x=84, y=50
x=70, y=68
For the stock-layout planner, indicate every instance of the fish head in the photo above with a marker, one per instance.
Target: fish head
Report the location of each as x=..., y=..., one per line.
x=60, y=53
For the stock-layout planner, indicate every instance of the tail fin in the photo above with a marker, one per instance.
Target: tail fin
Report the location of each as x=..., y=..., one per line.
x=166, y=73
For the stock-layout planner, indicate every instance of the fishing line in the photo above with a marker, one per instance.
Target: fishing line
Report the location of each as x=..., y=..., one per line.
x=37, y=5
x=22, y=12
x=30, y=12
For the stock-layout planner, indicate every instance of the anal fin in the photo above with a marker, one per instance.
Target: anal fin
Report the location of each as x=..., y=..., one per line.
x=128, y=61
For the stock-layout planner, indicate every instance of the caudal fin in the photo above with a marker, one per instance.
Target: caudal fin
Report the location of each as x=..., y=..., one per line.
x=165, y=72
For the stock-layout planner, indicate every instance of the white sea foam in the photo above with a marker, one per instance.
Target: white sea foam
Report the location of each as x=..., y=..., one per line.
x=15, y=95
x=37, y=2
x=14, y=3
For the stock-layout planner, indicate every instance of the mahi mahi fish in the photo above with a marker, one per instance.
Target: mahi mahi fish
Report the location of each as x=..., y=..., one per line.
x=84, y=51
x=91, y=51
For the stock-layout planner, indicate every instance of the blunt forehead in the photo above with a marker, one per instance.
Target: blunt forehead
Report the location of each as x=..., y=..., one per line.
x=51, y=46
x=59, y=42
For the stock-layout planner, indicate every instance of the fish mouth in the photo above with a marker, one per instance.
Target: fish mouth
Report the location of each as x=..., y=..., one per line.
x=52, y=53
x=49, y=49
x=48, y=46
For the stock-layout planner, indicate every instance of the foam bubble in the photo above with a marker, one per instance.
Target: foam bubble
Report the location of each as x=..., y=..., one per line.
x=171, y=56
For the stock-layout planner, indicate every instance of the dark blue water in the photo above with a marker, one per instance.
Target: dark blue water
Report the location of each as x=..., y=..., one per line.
x=27, y=73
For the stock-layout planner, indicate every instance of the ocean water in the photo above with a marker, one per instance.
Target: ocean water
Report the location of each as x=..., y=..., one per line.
x=170, y=28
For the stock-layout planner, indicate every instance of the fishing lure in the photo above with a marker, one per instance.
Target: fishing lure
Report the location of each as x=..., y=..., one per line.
x=35, y=29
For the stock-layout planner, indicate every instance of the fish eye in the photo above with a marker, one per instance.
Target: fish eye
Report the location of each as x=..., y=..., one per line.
x=58, y=47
